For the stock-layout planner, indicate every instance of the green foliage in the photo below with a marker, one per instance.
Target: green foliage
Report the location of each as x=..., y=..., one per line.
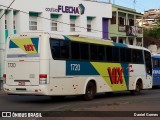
x=153, y=32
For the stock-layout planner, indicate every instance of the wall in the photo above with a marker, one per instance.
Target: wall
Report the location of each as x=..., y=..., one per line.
x=94, y=9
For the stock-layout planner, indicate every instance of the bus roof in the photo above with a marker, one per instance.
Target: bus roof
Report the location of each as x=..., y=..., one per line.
x=79, y=39
x=156, y=56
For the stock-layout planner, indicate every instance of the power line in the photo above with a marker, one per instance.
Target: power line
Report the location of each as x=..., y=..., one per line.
x=66, y=23
x=7, y=8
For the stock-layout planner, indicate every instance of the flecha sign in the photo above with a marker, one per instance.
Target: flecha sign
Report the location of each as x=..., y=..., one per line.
x=68, y=9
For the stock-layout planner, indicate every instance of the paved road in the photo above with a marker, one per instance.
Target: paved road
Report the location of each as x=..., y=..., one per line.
x=148, y=100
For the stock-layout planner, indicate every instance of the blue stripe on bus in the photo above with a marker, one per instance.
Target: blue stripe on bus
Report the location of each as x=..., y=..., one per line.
x=80, y=68
x=156, y=76
x=66, y=38
x=119, y=44
x=155, y=56
x=12, y=44
x=35, y=41
x=126, y=74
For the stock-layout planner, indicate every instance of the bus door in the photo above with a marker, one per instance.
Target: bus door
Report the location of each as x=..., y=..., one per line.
x=156, y=71
x=148, y=65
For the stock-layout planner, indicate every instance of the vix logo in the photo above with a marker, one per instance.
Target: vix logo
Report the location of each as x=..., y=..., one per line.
x=116, y=75
x=29, y=47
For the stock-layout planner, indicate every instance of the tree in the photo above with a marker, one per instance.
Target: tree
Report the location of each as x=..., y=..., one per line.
x=153, y=32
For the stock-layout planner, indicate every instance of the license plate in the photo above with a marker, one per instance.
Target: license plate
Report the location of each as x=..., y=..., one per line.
x=21, y=83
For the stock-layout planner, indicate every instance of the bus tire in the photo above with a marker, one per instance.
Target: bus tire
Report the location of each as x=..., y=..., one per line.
x=90, y=91
x=137, y=89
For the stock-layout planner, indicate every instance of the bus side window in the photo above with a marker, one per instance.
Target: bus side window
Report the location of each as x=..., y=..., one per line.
x=109, y=51
x=123, y=54
x=115, y=54
x=128, y=56
x=134, y=56
x=55, y=49
x=140, y=57
x=93, y=52
x=101, y=53
x=84, y=51
x=64, y=49
x=155, y=63
x=75, y=50
x=59, y=49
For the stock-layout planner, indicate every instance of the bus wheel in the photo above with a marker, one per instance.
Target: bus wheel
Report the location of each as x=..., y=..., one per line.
x=90, y=91
x=138, y=88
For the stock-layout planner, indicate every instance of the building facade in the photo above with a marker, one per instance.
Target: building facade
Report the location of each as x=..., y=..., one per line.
x=67, y=17
x=151, y=18
x=123, y=27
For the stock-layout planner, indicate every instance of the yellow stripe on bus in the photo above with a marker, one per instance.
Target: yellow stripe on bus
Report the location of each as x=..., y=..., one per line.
x=88, y=40
x=102, y=69
x=24, y=41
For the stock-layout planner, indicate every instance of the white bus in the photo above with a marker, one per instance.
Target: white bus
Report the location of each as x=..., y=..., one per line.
x=59, y=65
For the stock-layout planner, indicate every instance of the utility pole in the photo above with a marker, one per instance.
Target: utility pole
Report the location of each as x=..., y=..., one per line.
x=134, y=3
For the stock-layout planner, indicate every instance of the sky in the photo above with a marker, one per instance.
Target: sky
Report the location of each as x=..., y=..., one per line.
x=140, y=6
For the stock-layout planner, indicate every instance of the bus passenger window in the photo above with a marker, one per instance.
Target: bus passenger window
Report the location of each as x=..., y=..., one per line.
x=64, y=49
x=93, y=52
x=140, y=57
x=137, y=56
x=59, y=49
x=109, y=53
x=115, y=54
x=75, y=50
x=123, y=54
x=55, y=49
x=84, y=51
x=128, y=56
x=101, y=53
x=156, y=63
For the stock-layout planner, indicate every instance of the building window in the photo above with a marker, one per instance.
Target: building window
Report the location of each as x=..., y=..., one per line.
x=6, y=24
x=114, y=39
x=131, y=22
x=33, y=20
x=139, y=41
x=113, y=19
x=6, y=12
x=14, y=21
x=120, y=40
x=130, y=41
x=121, y=21
x=54, y=23
x=89, y=24
x=73, y=23
x=14, y=24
